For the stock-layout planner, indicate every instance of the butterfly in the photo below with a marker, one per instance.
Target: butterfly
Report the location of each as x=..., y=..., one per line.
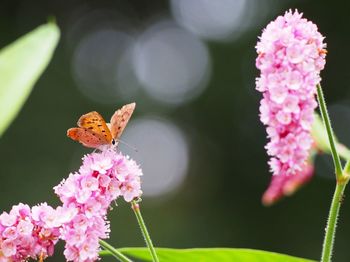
x=94, y=132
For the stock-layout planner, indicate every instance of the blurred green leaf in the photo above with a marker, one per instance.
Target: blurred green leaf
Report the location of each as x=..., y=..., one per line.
x=209, y=255
x=21, y=64
x=319, y=134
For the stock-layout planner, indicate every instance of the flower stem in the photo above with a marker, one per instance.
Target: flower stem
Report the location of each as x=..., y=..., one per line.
x=135, y=206
x=342, y=177
x=328, y=241
x=114, y=252
x=331, y=137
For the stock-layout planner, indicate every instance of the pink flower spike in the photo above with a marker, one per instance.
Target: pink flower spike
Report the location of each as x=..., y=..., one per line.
x=291, y=54
x=31, y=233
x=87, y=196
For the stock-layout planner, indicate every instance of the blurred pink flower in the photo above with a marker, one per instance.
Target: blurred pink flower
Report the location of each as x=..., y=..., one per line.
x=29, y=232
x=101, y=179
x=291, y=55
x=285, y=185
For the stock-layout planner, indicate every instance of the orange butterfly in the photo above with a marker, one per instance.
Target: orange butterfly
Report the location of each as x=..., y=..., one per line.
x=94, y=132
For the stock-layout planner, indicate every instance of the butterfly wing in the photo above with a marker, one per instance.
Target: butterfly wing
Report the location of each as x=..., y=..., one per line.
x=94, y=123
x=92, y=131
x=84, y=137
x=120, y=119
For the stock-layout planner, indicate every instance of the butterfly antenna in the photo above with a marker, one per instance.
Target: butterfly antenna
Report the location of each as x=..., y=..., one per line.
x=128, y=145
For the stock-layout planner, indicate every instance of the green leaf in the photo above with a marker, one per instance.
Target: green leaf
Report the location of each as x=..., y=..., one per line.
x=209, y=255
x=21, y=64
x=319, y=134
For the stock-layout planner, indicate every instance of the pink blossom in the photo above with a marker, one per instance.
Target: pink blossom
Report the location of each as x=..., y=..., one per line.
x=81, y=220
x=291, y=54
x=28, y=232
x=102, y=178
x=8, y=248
x=7, y=219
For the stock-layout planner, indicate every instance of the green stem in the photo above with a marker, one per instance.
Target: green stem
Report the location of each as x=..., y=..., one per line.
x=135, y=206
x=328, y=241
x=331, y=137
x=114, y=252
x=342, y=177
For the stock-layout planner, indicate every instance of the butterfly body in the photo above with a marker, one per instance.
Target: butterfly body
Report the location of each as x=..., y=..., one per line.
x=94, y=132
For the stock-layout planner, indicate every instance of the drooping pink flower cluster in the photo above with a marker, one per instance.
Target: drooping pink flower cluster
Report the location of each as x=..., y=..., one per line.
x=30, y=232
x=285, y=185
x=101, y=179
x=291, y=55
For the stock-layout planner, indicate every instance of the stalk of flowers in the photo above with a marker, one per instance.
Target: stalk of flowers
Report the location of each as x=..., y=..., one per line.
x=291, y=55
x=101, y=179
x=30, y=232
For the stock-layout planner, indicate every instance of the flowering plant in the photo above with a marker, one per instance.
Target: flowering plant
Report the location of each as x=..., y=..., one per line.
x=81, y=220
x=291, y=55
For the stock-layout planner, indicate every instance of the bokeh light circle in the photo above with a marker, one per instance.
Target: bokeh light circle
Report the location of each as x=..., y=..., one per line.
x=97, y=62
x=172, y=64
x=162, y=152
x=210, y=19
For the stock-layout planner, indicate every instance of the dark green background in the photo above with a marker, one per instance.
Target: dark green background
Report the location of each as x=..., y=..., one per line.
x=219, y=204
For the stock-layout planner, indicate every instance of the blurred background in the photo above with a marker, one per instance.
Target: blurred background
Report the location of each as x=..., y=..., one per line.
x=190, y=67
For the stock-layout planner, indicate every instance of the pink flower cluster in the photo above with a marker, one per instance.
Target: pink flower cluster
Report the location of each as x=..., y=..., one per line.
x=102, y=178
x=291, y=55
x=80, y=221
x=30, y=232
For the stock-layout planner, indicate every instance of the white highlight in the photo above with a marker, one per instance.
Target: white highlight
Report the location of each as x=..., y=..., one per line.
x=100, y=63
x=163, y=154
x=171, y=64
x=211, y=19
